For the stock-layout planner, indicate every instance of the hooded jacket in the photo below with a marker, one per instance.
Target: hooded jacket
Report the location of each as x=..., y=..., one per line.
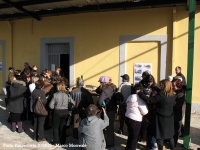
x=91, y=132
x=16, y=98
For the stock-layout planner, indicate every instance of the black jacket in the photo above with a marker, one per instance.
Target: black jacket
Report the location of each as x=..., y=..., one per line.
x=35, y=94
x=163, y=121
x=16, y=98
x=180, y=98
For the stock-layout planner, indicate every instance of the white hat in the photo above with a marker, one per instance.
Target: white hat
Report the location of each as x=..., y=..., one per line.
x=178, y=77
x=170, y=78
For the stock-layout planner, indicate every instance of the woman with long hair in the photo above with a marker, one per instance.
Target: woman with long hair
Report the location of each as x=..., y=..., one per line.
x=163, y=121
x=135, y=110
x=38, y=119
x=59, y=103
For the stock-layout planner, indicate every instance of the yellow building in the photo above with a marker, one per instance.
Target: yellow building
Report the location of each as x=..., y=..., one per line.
x=93, y=44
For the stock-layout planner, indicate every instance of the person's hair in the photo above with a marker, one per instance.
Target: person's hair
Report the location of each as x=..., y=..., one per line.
x=79, y=82
x=61, y=87
x=39, y=84
x=59, y=69
x=137, y=87
x=26, y=63
x=34, y=79
x=11, y=78
x=34, y=73
x=145, y=73
x=17, y=72
x=27, y=75
x=179, y=67
x=44, y=71
x=49, y=72
x=91, y=110
x=105, y=85
x=166, y=87
x=149, y=78
x=64, y=81
x=178, y=83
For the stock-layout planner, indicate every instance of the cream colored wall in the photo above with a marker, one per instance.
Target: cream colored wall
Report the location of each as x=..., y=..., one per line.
x=96, y=39
x=142, y=52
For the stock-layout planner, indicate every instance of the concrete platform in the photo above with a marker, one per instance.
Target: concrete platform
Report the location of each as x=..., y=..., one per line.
x=16, y=141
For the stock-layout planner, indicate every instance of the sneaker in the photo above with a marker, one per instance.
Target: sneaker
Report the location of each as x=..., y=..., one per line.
x=120, y=132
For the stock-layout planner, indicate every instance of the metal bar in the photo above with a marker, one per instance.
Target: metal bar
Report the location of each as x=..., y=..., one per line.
x=192, y=6
x=21, y=9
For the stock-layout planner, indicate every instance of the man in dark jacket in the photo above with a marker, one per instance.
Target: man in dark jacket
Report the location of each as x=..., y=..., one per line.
x=178, y=73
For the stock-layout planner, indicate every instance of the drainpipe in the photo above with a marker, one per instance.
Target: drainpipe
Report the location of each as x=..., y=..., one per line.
x=192, y=5
x=11, y=41
x=174, y=41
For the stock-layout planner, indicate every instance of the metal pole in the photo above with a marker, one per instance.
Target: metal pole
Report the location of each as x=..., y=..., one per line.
x=192, y=6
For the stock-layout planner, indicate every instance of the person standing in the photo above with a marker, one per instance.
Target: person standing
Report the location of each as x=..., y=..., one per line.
x=59, y=103
x=180, y=76
x=136, y=109
x=106, y=100
x=125, y=90
x=180, y=99
x=83, y=99
x=163, y=119
x=179, y=73
x=38, y=119
x=15, y=104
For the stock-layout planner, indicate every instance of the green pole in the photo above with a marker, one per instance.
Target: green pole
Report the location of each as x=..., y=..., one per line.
x=192, y=5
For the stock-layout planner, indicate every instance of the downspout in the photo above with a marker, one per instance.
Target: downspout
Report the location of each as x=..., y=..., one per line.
x=11, y=41
x=192, y=6
x=174, y=41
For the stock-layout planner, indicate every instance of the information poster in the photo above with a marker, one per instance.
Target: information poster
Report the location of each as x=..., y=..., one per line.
x=139, y=68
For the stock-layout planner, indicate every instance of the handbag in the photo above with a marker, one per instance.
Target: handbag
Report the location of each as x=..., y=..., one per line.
x=39, y=107
x=71, y=106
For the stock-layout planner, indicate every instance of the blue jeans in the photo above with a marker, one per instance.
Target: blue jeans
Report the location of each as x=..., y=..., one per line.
x=151, y=142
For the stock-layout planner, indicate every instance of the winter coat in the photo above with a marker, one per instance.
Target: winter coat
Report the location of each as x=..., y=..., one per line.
x=16, y=98
x=83, y=99
x=91, y=132
x=136, y=108
x=163, y=120
x=35, y=94
x=60, y=100
x=180, y=99
x=106, y=95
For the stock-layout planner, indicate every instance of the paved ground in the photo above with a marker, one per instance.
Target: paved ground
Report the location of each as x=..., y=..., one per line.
x=16, y=141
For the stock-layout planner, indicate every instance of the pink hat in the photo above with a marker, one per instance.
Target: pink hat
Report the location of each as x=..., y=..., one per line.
x=104, y=79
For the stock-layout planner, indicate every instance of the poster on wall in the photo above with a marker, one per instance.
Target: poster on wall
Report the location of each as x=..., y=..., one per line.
x=139, y=68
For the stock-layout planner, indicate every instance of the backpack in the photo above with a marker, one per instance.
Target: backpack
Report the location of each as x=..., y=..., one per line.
x=118, y=98
x=39, y=107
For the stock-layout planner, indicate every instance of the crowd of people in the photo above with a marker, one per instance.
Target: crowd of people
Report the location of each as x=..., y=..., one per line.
x=152, y=112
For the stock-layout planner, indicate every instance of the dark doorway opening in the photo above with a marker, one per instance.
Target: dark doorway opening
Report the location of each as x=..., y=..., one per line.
x=64, y=65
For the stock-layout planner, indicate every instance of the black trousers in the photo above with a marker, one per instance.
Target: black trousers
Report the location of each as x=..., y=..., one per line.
x=38, y=126
x=133, y=133
x=59, y=126
x=177, y=129
x=122, y=111
x=110, y=128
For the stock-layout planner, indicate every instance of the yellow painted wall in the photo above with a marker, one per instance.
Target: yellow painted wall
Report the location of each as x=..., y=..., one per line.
x=96, y=38
x=143, y=52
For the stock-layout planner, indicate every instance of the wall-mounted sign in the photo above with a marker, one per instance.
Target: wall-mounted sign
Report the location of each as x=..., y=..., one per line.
x=139, y=68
